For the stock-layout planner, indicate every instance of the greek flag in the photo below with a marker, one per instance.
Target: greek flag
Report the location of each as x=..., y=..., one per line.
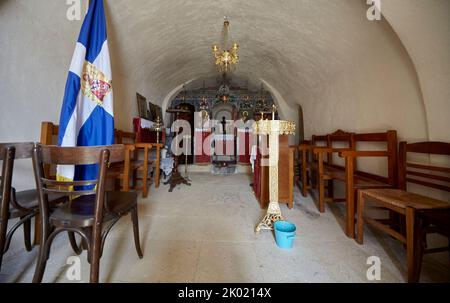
x=87, y=117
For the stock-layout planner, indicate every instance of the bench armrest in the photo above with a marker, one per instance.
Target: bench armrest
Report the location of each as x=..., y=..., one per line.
x=305, y=147
x=148, y=145
x=301, y=147
x=329, y=150
x=129, y=147
x=322, y=150
x=357, y=154
x=144, y=145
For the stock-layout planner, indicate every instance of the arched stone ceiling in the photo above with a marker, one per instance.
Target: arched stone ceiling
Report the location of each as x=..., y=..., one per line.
x=294, y=44
x=424, y=29
x=324, y=55
x=345, y=71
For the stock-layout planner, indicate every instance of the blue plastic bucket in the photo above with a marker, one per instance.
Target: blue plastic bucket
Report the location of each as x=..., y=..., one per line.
x=285, y=234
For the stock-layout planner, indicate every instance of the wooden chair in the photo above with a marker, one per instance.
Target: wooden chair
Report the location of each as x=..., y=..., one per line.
x=22, y=205
x=357, y=179
x=89, y=211
x=421, y=213
x=123, y=172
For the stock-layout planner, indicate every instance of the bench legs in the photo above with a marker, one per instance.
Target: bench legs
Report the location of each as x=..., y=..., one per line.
x=350, y=219
x=360, y=222
x=413, y=245
x=321, y=195
x=414, y=249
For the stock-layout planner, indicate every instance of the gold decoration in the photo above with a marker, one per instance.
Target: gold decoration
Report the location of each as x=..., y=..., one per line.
x=226, y=58
x=273, y=128
x=158, y=127
x=266, y=127
x=94, y=84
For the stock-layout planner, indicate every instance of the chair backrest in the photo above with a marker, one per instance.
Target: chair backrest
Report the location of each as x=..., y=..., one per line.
x=433, y=176
x=318, y=141
x=102, y=156
x=122, y=137
x=8, y=153
x=339, y=136
x=49, y=133
x=389, y=138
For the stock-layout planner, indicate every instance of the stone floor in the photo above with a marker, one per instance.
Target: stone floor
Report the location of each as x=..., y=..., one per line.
x=205, y=233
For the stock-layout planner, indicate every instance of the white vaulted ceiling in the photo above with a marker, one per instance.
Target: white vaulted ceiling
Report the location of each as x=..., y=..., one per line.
x=345, y=71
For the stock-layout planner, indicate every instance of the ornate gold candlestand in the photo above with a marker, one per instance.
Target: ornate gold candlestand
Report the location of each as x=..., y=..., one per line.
x=273, y=128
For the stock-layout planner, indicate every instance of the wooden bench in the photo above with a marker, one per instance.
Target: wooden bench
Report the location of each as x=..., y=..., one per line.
x=133, y=165
x=357, y=179
x=306, y=163
x=422, y=214
x=327, y=170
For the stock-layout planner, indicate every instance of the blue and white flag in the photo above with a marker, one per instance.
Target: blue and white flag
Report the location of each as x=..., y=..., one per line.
x=87, y=117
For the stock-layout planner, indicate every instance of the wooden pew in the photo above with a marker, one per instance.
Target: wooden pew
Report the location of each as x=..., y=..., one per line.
x=327, y=170
x=421, y=214
x=306, y=163
x=133, y=165
x=49, y=136
x=356, y=179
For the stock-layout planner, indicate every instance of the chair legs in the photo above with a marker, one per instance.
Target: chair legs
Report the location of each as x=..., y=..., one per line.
x=94, y=249
x=27, y=235
x=5, y=237
x=95, y=255
x=44, y=253
x=96, y=245
x=3, y=228
x=134, y=218
x=78, y=249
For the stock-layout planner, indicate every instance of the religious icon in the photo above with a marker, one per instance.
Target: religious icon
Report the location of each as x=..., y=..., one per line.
x=245, y=116
x=205, y=115
x=142, y=106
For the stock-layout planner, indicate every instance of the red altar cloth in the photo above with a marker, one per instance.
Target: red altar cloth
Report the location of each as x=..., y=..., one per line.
x=244, y=145
x=202, y=142
x=145, y=134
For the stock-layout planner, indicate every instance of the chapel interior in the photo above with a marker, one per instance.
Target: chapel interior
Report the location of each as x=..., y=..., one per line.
x=234, y=124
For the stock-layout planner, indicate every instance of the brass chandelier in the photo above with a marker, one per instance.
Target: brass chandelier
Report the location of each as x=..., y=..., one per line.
x=226, y=57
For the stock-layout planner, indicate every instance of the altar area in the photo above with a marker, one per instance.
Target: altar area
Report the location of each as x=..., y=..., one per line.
x=221, y=120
